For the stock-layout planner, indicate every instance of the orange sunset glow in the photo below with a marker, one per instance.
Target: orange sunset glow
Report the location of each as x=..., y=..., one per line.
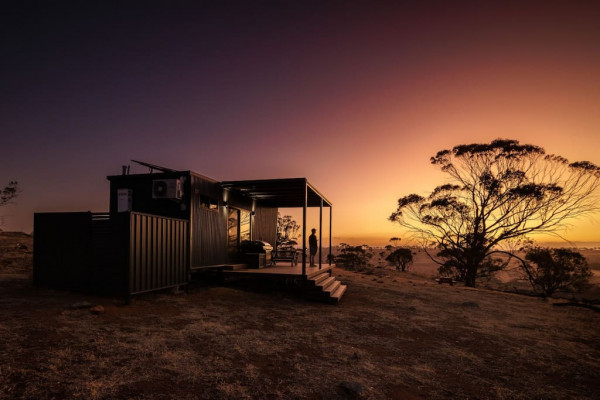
x=354, y=96
x=300, y=199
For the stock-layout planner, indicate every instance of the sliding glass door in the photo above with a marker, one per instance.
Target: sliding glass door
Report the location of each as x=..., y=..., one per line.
x=238, y=229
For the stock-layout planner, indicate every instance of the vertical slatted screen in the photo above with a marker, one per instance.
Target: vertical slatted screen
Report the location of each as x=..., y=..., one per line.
x=265, y=225
x=208, y=226
x=210, y=238
x=158, y=253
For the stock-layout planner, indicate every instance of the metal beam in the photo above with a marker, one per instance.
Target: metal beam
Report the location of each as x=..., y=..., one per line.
x=330, y=219
x=304, y=231
x=320, y=231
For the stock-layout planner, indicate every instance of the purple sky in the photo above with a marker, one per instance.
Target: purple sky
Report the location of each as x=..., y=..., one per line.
x=356, y=96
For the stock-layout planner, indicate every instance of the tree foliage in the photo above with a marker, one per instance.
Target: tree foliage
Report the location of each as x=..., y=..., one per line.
x=354, y=257
x=8, y=193
x=554, y=270
x=287, y=231
x=395, y=240
x=402, y=258
x=497, y=192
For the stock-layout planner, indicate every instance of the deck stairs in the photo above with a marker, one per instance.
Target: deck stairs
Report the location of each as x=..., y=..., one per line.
x=322, y=286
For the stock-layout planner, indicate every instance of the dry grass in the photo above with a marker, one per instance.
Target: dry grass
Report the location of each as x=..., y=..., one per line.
x=399, y=335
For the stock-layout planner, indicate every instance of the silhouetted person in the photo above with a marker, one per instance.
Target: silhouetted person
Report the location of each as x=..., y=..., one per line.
x=312, y=244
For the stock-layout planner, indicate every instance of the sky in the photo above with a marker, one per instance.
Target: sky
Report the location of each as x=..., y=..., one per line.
x=355, y=96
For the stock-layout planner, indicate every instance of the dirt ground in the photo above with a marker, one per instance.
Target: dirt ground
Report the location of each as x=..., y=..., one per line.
x=394, y=335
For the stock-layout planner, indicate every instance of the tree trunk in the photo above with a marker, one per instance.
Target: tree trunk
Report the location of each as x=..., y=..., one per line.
x=472, y=267
x=471, y=276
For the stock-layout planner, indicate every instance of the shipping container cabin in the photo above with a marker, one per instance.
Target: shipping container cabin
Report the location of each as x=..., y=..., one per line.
x=219, y=219
x=162, y=226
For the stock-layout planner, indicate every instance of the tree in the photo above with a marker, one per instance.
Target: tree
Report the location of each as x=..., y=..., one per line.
x=287, y=231
x=354, y=257
x=553, y=270
x=9, y=193
x=402, y=258
x=497, y=192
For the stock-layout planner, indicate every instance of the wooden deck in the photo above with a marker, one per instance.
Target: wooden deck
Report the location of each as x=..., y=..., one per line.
x=318, y=284
x=283, y=270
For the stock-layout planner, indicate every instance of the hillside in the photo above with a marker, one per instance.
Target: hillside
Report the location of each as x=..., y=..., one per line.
x=394, y=335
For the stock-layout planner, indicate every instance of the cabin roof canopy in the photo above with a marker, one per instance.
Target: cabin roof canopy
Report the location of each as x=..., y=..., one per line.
x=279, y=192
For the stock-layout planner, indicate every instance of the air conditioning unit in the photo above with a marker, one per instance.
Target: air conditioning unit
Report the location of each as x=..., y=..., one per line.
x=166, y=189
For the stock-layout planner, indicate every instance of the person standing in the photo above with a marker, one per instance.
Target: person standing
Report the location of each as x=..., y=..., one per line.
x=313, y=245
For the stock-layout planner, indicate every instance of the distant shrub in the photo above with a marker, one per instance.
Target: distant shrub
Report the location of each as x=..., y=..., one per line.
x=401, y=258
x=331, y=258
x=354, y=258
x=556, y=270
x=459, y=271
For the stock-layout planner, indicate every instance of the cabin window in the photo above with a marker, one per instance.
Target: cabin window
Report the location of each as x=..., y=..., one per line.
x=209, y=203
x=244, y=225
x=238, y=228
x=233, y=226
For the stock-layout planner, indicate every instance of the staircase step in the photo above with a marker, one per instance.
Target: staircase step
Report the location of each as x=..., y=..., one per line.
x=325, y=282
x=312, y=272
x=337, y=295
x=328, y=297
x=319, y=278
x=332, y=287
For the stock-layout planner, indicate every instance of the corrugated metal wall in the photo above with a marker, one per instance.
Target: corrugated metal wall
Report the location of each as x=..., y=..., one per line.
x=264, y=225
x=208, y=228
x=158, y=253
x=109, y=252
x=119, y=254
x=209, y=240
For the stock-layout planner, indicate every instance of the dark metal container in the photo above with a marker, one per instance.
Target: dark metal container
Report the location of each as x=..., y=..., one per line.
x=111, y=253
x=256, y=247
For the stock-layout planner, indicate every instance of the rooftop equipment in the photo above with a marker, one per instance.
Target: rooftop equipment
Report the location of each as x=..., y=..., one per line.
x=166, y=189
